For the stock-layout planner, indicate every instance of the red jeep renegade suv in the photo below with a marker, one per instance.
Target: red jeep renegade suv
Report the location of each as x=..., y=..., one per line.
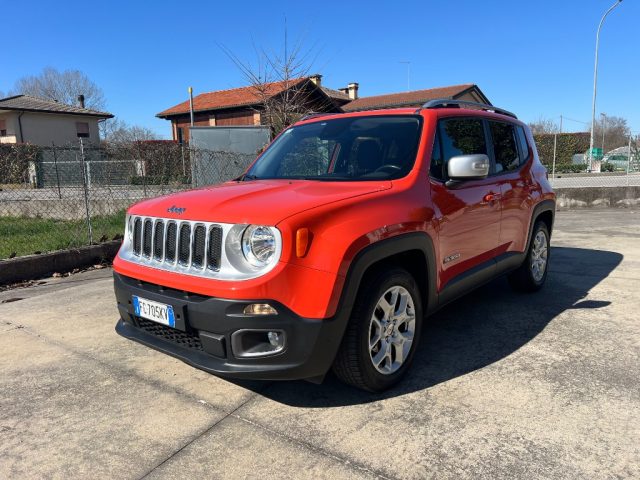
x=336, y=243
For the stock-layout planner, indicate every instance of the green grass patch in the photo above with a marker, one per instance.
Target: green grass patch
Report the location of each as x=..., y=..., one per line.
x=24, y=236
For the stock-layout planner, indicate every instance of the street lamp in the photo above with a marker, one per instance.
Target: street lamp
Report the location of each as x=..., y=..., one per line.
x=595, y=82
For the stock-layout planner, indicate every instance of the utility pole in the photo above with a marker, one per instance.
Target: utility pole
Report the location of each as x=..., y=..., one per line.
x=604, y=123
x=555, y=145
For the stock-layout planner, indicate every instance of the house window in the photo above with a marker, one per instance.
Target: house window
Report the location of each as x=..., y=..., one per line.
x=82, y=129
x=3, y=128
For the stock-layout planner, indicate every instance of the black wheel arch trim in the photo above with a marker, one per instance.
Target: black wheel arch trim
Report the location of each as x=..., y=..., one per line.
x=544, y=206
x=383, y=249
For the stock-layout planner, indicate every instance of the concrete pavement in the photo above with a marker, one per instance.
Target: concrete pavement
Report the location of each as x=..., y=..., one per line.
x=504, y=385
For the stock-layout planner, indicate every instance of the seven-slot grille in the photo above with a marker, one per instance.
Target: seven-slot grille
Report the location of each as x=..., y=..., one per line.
x=167, y=242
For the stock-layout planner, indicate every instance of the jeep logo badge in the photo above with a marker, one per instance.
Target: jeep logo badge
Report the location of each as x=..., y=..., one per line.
x=176, y=210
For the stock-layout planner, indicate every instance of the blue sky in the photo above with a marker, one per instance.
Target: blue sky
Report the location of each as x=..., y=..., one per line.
x=533, y=58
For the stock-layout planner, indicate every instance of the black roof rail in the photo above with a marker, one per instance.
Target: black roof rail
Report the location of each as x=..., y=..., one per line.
x=447, y=102
x=316, y=114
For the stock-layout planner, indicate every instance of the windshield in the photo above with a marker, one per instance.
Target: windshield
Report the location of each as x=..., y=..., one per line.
x=352, y=148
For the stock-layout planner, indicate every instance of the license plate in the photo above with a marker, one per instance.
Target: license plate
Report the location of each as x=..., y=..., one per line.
x=158, y=312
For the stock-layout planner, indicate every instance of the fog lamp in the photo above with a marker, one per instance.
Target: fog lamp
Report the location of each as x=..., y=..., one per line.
x=276, y=339
x=260, y=309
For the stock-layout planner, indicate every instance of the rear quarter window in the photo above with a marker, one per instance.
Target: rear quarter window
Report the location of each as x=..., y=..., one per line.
x=524, y=145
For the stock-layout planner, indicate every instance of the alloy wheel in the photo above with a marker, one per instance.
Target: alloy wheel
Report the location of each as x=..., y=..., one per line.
x=539, y=255
x=391, y=330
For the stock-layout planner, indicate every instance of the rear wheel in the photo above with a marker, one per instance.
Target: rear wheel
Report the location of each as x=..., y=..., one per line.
x=381, y=338
x=531, y=275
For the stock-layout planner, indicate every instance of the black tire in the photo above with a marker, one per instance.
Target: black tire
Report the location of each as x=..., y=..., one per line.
x=353, y=363
x=524, y=279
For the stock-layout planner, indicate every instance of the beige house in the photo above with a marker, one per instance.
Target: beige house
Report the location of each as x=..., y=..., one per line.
x=38, y=121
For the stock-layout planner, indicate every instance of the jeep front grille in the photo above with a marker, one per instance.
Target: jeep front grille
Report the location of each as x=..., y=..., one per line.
x=163, y=242
x=191, y=247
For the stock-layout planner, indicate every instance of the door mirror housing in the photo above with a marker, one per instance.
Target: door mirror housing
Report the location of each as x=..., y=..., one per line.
x=468, y=167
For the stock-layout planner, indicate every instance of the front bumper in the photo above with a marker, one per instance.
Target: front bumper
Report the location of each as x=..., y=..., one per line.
x=204, y=326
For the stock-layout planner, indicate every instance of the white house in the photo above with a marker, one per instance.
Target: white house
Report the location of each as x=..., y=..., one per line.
x=28, y=119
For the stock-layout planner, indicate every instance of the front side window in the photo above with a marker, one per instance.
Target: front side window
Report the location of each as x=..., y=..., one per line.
x=504, y=146
x=352, y=148
x=456, y=136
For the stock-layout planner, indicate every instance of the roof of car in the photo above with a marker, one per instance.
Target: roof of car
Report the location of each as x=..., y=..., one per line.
x=408, y=111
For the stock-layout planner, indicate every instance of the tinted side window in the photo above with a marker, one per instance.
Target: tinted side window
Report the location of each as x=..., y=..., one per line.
x=524, y=145
x=504, y=146
x=458, y=136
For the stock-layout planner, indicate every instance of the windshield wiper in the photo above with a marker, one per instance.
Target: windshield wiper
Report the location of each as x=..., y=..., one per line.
x=246, y=177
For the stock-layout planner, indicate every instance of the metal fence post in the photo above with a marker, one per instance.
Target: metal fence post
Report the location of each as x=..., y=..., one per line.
x=184, y=170
x=628, y=160
x=86, y=192
x=55, y=163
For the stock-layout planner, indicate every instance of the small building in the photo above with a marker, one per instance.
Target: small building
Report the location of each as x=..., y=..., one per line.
x=417, y=98
x=39, y=121
x=245, y=106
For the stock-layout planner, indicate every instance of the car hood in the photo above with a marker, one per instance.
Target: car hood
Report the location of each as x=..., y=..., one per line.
x=265, y=202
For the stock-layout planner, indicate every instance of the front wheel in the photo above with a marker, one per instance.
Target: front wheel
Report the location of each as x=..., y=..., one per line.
x=383, y=332
x=531, y=275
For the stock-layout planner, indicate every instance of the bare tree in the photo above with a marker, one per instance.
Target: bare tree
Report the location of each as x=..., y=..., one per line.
x=281, y=84
x=616, y=132
x=63, y=87
x=117, y=131
x=544, y=125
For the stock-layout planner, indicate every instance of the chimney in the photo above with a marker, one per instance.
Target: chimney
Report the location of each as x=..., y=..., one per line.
x=353, y=91
x=316, y=79
x=81, y=101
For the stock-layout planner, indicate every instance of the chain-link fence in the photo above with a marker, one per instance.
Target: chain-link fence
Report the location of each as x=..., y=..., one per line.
x=620, y=169
x=565, y=155
x=54, y=198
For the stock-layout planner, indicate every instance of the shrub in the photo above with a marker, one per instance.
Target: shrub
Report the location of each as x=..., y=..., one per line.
x=569, y=168
x=14, y=162
x=607, y=167
x=159, y=180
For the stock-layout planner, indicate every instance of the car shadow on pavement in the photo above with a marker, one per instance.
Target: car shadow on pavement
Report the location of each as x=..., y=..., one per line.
x=475, y=331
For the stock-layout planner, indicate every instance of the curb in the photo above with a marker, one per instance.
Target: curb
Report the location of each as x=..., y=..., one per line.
x=32, y=267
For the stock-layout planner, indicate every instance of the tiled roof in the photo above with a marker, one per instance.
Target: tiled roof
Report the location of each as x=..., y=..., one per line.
x=405, y=99
x=37, y=104
x=335, y=94
x=236, y=97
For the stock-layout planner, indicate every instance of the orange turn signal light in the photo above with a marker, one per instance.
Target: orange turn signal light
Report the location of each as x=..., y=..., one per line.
x=302, y=242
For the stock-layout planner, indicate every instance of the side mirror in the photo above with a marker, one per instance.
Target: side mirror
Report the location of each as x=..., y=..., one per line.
x=468, y=167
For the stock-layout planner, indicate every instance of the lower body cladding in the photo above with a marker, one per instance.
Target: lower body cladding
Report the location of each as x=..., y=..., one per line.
x=215, y=334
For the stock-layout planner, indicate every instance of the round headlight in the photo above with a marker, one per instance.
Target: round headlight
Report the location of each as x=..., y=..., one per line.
x=258, y=245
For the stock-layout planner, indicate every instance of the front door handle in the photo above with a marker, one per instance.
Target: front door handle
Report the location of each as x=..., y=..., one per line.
x=491, y=197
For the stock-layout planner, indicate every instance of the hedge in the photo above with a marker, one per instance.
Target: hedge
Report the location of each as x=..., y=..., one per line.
x=569, y=144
